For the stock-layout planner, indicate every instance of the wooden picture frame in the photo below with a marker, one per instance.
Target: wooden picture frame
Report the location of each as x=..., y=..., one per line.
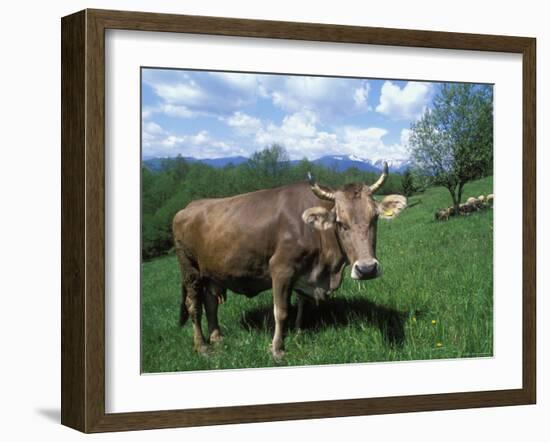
x=83, y=220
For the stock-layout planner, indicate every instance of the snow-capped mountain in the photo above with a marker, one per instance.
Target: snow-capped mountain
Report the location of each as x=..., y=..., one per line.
x=396, y=165
x=344, y=162
x=356, y=158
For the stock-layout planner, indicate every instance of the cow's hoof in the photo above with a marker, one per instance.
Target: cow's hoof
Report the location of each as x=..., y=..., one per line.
x=278, y=355
x=202, y=349
x=216, y=337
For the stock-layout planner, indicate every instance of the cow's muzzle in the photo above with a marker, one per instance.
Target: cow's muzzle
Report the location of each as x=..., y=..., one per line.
x=365, y=269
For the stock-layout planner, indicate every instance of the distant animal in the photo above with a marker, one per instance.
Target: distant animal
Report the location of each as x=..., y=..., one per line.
x=297, y=237
x=443, y=214
x=472, y=204
x=467, y=208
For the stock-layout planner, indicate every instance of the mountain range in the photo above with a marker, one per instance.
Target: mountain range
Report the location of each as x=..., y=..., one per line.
x=338, y=162
x=344, y=162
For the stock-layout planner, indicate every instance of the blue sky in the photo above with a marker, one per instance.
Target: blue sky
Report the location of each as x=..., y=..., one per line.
x=206, y=114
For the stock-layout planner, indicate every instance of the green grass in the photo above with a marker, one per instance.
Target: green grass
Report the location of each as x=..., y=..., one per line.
x=434, y=300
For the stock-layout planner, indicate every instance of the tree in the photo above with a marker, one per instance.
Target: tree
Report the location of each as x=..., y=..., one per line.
x=270, y=164
x=452, y=143
x=407, y=183
x=178, y=167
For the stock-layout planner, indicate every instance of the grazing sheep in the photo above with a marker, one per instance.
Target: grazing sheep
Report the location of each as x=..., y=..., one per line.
x=472, y=204
x=469, y=207
x=443, y=214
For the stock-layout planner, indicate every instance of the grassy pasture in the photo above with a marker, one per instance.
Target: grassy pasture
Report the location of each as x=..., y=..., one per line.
x=434, y=300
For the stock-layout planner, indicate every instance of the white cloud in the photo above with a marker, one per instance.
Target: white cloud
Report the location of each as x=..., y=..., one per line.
x=299, y=134
x=146, y=112
x=219, y=94
x=405, y=136
x=158, y=142
x=302, y=124
x=247, y=83
x=360, y=97
x=328, y=97
x=170, y=110
x=316, y=109
x=152, y=128
x=188, y=93
x=406, y=103
x=177, y=111
x=243, y=123
x=181, y=95
x=151, y=133
x=368, y=135
x=302, y=135
x=368, y=143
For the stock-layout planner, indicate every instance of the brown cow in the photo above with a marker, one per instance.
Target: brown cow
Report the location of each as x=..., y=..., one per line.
x=297, y=237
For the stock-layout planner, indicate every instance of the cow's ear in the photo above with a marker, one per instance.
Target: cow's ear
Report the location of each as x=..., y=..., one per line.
x=391, y=206
x=319, y=217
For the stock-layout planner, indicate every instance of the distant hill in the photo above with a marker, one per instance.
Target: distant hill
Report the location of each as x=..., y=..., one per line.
x=155, y=164
x=338, y=162
x=342, y=163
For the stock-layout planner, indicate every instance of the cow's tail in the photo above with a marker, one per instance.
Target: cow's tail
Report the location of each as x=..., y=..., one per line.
x=184, y=313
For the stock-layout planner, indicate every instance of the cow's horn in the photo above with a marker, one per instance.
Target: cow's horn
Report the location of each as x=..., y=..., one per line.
x=316, y=189
x=374, y=187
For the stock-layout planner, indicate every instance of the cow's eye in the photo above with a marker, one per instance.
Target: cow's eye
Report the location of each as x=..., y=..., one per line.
x=342, y=225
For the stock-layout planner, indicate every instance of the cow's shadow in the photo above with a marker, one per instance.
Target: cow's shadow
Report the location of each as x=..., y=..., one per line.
x=335, y=312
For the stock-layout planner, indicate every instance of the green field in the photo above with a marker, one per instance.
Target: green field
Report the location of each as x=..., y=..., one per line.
x=434, y=300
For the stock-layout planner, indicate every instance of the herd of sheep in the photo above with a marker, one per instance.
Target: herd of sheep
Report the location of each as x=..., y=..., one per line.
x=472, y=204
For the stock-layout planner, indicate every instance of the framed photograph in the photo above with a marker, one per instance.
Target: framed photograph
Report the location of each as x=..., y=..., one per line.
x=269, y=220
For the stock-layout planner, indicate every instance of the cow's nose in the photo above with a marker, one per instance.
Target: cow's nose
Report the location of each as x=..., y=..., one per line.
x=365, y=270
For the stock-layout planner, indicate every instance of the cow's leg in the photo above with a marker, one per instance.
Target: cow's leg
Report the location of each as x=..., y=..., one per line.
x=212, y=297
x=300, y=303
x=194, y=307
x=192, y=292
x=282, y=288
x=184, y=314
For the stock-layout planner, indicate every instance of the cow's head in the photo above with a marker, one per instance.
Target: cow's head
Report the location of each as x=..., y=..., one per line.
x=354, y=217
